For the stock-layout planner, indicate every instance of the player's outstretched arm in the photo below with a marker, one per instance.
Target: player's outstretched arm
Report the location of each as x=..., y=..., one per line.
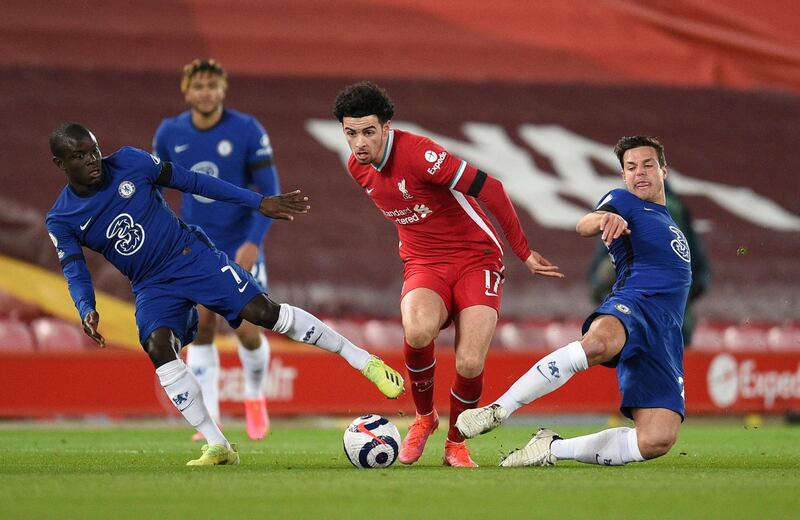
x=610, y=225
x=90, y=323
x=285, y=205
x=537, y=264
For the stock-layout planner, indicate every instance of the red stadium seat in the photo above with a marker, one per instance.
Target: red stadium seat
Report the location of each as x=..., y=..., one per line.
x=521, y=336
x=54, y=335
x=383, y=334
x=784, y=337
x=14, y=309
x=560, y=334
x=745, y=337
x=15, y=336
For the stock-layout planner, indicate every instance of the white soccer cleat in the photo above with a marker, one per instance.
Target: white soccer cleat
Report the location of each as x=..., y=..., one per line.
x=535, y=453
x=476, y=421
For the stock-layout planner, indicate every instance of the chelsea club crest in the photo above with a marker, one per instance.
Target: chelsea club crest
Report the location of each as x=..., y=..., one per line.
x=126, y=189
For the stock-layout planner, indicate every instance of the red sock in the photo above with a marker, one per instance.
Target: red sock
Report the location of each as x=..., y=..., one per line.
x=421, y=364
x=465, y=394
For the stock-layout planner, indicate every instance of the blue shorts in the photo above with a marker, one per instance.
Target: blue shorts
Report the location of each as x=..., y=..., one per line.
x=205, y=276
x=650, y=365
x=259, y=269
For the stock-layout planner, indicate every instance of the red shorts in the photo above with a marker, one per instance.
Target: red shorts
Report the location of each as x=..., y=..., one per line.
x=460, y=282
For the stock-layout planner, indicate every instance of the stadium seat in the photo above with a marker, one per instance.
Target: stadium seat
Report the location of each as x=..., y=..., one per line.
x=383, y=334
x=745, y=337
x=521, y=336
x=350, y=329
x=708, y=337
x=54, y=335
x=15, y=336
x=558, y=333
x=784, y=337
x=17, y=310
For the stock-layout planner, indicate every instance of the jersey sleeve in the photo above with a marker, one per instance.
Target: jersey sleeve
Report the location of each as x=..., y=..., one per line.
x=160, y=148
x=615, y=201
x=261, y=168
x=188, y=181
x=73, y=265
x=435, y=165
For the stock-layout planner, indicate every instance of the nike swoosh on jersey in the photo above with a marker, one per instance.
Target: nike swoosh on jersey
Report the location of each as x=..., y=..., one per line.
x=85, y=224
x=648, y=209
x=370, y=190
x=181, y=148
x=242, y=288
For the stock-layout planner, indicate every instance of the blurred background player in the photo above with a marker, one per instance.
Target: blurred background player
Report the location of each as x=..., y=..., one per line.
x=111, y=205
x=232, y=146
x=636, y=329
x=453, y=269
x=602, y=274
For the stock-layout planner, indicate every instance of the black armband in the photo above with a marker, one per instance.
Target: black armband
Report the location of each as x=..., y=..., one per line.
x=266, y=163
x=477, y=184
x=165, y=175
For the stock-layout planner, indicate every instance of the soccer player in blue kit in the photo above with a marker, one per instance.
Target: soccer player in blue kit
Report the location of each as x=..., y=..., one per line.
x=113, y=206
x=636, y=329
x=232, y=146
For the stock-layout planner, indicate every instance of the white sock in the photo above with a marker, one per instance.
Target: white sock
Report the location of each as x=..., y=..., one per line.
x=204, y=362
x=305, y=328
x=255, y=364
x=184, y=392
x=614, y=447
x=548, y=374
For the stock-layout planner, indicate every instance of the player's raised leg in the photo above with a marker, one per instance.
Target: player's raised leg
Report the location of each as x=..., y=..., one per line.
x=202, y=357
x=301, y=326
x=183, y=390
x=254, y=354
x=602, y=342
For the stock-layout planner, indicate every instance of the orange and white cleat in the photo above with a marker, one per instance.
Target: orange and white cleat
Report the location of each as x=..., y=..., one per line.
x=255, y=411
x=418, y=433
x=456, y=454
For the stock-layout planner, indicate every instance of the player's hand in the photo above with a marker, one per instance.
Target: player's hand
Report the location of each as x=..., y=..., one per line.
x=247, y=255
x=285, y=205
x=613, y=226
x=537, y=264
x=90, y=324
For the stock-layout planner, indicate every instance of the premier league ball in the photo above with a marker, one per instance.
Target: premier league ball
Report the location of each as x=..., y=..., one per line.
x=371, y=441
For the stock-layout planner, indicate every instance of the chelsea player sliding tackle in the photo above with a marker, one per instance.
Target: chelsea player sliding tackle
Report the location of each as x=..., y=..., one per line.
x=113, y=206
x=636, y=329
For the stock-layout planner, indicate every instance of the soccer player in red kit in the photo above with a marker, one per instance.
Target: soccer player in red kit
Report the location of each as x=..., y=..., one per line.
x=453, y=269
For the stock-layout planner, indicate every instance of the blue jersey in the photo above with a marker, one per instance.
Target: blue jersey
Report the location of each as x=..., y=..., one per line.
x=654, y=261
x=127, y=221
x=237, y=149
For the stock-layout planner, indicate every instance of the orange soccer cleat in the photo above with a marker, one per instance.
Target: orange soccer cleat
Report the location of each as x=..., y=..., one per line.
x=257, y=419
x=418, y=433
x=456, y=454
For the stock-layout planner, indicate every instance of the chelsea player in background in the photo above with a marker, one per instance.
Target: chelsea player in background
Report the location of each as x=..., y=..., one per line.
x=636, y=329
x=232, y=146
x=113, y=205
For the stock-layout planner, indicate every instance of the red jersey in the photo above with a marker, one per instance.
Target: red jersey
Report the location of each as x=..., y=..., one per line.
x=421, y=187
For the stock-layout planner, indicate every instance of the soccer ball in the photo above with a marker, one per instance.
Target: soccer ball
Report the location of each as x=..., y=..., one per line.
x=371, y=441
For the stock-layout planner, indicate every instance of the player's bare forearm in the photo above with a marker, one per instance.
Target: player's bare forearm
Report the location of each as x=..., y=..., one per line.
x=609, y=225
x=285, y=205
x=537, y=264
x=90, y=323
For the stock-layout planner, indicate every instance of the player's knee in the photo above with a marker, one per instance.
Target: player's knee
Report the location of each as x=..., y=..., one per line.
x=250, y=339
x=262, y=311
x=205, y=335
x=469, y=366
x=418, y=336
x=655, y=444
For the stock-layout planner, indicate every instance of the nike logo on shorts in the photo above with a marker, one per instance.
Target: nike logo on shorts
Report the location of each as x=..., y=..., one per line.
x=242, y=288
x=181, y=148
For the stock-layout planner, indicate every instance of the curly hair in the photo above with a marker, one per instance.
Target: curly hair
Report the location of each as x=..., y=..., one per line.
x=363, y=99
x=627, y=142
x=209, y=65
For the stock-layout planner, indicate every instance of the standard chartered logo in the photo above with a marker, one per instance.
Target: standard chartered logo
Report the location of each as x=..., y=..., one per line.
x=129, y=234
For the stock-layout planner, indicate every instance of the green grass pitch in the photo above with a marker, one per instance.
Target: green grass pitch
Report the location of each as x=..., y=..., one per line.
x=299, y=471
